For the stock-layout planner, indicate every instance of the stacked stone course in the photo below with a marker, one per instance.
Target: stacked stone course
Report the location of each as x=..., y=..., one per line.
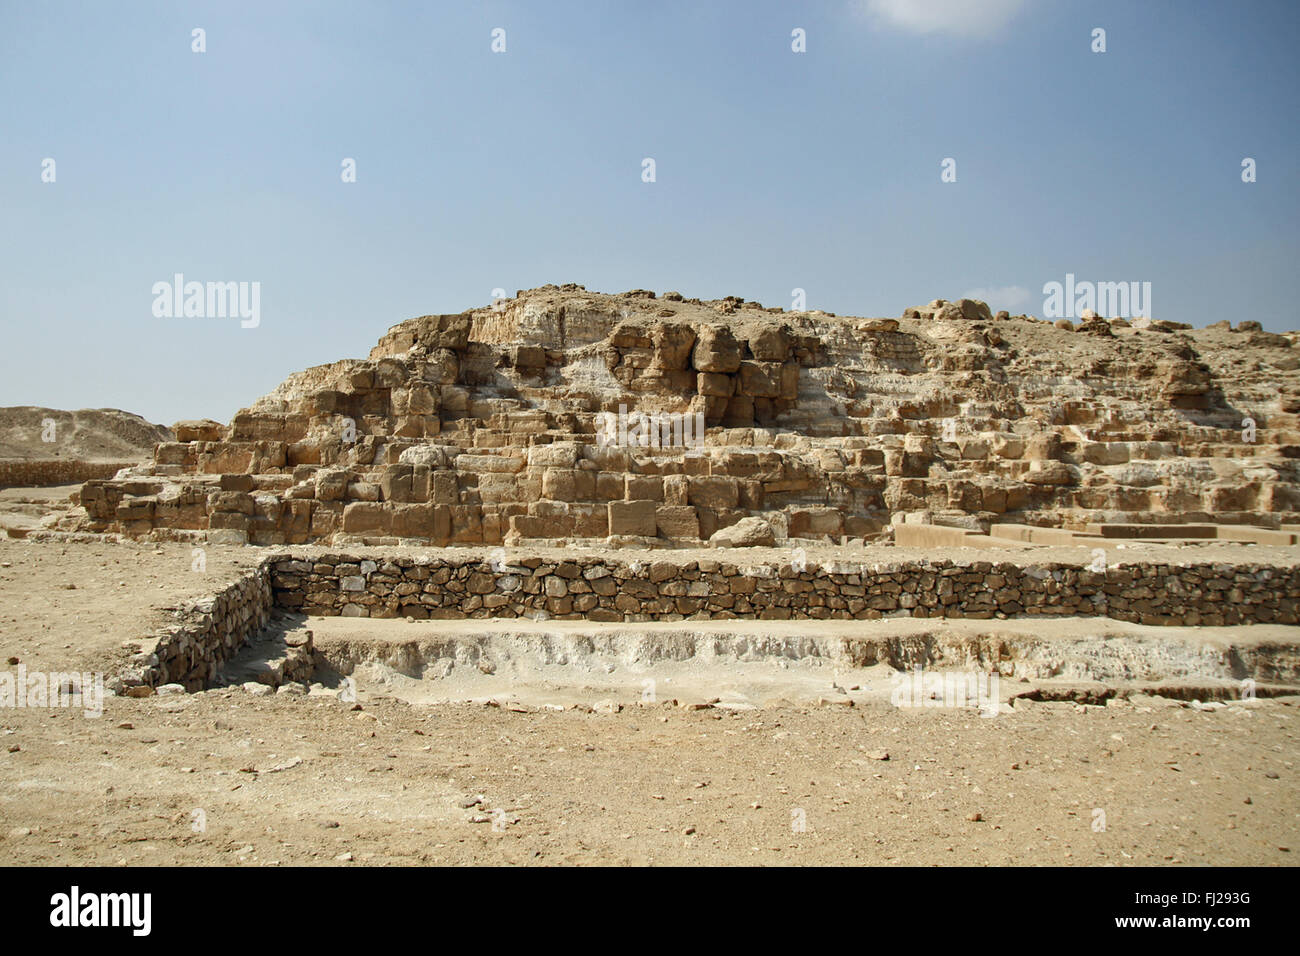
x=456, y=585
x=601, y=589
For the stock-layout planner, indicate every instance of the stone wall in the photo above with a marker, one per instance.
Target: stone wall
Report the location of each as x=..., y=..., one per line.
x=607, y=589
x=207, y=633
x=28, y=473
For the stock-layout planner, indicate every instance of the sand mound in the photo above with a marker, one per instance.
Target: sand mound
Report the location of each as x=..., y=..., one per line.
x=88, y=434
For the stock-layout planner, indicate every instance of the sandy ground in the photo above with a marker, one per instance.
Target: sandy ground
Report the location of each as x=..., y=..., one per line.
x=228, y=777
x=223, y=777
x=23, y=510
x=66, y=605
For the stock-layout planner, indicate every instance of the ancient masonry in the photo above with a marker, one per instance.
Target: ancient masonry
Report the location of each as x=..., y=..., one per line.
x=489, y=427
x=457, y=584
x=587, y=421
x=596, y=589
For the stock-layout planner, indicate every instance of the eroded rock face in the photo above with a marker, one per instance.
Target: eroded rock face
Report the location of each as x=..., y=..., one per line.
x=564, y=415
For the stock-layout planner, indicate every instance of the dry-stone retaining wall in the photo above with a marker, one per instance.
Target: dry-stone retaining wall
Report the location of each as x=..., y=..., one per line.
x=207, y=633
x=606, y=589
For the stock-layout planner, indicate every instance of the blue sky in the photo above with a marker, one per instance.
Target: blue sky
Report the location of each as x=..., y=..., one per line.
x=775, y=170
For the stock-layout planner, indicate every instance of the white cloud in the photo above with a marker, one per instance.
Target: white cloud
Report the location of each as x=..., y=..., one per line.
x=972, y=18
x=1011, y=297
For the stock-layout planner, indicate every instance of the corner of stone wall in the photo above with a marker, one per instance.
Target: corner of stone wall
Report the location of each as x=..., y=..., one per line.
x=206, y=634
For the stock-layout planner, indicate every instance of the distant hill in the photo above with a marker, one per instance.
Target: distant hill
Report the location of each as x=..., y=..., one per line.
x=88, y=434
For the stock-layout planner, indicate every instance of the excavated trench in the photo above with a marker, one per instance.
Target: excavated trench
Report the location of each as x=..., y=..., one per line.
x=749, y=663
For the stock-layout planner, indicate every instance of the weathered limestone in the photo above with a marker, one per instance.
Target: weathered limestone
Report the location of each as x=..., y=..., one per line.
x=485, y=428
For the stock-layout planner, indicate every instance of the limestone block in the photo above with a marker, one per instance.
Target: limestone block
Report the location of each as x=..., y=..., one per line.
x=435, y=456
x=770, y=343
x=760, y=379
x=590, y=521
x=750, y=532
x=716, y=350
x=555, y=455
x=805, y=522
x=568, y=484
x=528, y=357
x=608, y=457
x=363, y=491
x=267, y=508
x=715, y=384
x=412, y=520
x=367, y=517
x=421, y=400
x=226, y=457
x=199, y=430
x=609, y=486
x=1010, y=447
x=717, y=492
x=303, y=453
x=1049, y=473
x=789, y=382
x=331, y=484
x=485, y=464
x=228, y=536
x=444, y=488
x=739, y=413
x=994, y=499
x=466, y=524
x=171, y=453
x=676, y=489
x=884, y=325
x=631, y=335
x=672, y=344
x=552, y=526
x=975, y=310
x=678, y=522
x=232, y=520
x=326, y=518
x=644, y=488
x=1042, y=447
x=1105, y=452
x=395, y=482
x=295, y=521
x=633, y=518
x=496, y=488
x=231, y=501
x=454, y=400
